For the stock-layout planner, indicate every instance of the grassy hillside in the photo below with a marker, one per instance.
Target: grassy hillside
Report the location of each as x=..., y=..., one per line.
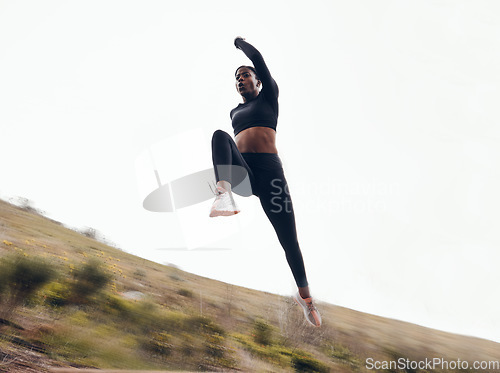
x=156, y=317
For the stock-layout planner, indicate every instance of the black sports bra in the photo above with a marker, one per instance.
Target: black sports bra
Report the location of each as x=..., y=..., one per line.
x=262, y=111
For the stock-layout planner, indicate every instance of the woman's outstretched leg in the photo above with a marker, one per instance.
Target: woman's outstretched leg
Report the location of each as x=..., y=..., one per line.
x=277, y=204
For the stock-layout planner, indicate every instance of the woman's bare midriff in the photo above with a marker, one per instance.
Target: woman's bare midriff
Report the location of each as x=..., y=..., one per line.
x=257, y=140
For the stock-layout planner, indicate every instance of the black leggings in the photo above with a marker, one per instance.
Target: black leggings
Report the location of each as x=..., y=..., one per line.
x=267, y=181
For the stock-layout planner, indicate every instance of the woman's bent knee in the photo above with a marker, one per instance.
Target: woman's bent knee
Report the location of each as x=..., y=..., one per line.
x=219, y=135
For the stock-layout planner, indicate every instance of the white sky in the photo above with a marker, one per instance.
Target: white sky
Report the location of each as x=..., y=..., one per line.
x=388, y=131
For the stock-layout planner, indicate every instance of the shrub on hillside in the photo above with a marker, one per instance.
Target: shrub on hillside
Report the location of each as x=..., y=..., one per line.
x=343, y=355
x=216, y=354
x=89, y=279
x=302, y=362
x=139, y=274
x=20, y=278
x=140, y=316
x=262, y=333
x=275, y=354
x=159, y=344
x=202, y=324
x=3, y=279
x=185, y=293
x=57, y=294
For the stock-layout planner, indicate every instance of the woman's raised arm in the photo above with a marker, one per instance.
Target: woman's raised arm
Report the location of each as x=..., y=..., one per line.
x=269, y=85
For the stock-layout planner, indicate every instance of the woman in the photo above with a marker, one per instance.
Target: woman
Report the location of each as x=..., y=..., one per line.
x=254, y=122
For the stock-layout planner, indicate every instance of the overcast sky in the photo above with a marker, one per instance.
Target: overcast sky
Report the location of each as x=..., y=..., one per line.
x=388, y=131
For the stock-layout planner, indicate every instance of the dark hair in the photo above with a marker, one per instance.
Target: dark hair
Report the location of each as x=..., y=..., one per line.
x=248, y=67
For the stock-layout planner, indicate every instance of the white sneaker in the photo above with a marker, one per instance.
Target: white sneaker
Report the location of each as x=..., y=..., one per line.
x=310, y=311
x=224, y=204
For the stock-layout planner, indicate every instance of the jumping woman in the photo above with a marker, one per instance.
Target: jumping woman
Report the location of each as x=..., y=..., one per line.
x=254, y=122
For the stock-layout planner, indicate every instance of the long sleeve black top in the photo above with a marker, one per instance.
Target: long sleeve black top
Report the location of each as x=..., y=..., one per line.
x=262, y=111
